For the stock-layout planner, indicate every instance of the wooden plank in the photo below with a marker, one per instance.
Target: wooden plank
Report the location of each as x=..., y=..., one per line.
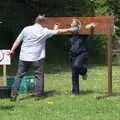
x=104, y=25
x=116, y=50
x=109, y=65
x=4, y=75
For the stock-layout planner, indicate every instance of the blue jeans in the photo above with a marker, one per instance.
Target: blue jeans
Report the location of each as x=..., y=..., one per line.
x=78, y=67
x=23, y=68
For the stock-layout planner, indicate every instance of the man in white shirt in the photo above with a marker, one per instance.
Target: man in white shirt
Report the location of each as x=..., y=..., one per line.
x=32, y=53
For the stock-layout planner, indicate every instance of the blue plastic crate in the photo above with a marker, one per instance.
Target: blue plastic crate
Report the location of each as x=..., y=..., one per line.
x=27, y=83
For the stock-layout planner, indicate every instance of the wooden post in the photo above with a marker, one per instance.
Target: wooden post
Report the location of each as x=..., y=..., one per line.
x=109, y=65
x=4, y=75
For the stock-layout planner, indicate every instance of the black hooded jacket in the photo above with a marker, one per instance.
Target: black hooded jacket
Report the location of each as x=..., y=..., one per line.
x=78, y=44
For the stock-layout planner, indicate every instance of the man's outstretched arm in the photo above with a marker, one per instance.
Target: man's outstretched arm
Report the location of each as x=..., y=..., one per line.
x=60, y=31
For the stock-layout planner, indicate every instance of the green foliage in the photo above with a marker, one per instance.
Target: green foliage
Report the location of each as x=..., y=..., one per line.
x=114, y=8
x=98, y=45
x=57, y=49
x=101, y=8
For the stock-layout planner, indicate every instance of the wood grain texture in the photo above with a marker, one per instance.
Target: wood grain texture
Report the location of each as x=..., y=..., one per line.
x=104, y=24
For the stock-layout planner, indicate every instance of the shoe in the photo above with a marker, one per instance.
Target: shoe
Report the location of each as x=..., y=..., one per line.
x=74, y=94
x=13, y=98
x=84, y=77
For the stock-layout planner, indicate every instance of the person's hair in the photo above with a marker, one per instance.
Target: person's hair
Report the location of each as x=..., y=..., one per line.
x=40, y=19
x=77, y=21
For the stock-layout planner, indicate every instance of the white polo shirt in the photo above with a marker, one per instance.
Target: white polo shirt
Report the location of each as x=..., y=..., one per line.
x=33, y=42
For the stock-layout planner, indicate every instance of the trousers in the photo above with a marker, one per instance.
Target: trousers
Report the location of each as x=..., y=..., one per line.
x=23, y=68
x=78, y=67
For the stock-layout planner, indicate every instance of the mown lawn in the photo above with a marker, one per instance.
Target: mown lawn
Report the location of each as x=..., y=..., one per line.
x=59, y=105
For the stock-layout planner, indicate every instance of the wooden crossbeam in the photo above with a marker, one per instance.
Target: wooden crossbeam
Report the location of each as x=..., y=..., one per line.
x=104, y=24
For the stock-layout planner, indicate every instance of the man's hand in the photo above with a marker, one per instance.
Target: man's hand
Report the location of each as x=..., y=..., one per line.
x=15, y=45
x=56, y=26
x=9, y=52
x=88, y=26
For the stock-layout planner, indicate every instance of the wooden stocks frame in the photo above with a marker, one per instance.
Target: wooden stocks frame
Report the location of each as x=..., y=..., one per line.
x=104, y=26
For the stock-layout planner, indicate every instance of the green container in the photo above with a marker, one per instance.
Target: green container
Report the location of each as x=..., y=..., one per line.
x=27, y=83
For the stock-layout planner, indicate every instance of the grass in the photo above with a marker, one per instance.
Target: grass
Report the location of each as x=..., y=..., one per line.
x=59, y=105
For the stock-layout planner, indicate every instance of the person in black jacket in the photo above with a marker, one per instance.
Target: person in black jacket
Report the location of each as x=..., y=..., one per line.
x=79, y=54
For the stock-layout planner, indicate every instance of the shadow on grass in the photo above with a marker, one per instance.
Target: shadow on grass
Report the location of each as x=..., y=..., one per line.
x=47, y=94
x=116, y=94
x=54, y=92
x=7, y=107
x=51, y=92
x=84, y=92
